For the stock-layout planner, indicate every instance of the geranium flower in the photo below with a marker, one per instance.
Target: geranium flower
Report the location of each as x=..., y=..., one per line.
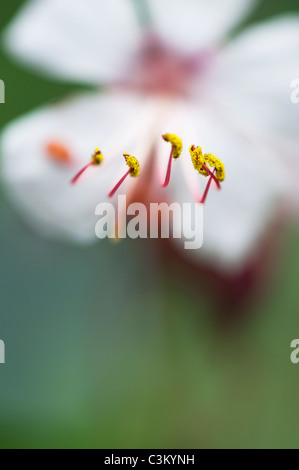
x=175, y=74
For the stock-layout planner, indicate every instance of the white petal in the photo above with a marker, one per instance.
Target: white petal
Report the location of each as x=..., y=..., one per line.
x=192, y=25
x=82, y=40
x=251, y=82
x=235, y=218
x=140, y=136
x=40, y=188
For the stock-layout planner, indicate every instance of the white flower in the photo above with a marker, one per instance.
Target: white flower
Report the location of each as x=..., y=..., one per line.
x=176, y=76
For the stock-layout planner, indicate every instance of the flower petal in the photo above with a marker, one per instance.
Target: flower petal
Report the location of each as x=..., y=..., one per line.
x=237, y=216
x=192, y=25
x=40, y=187
x=81, y=40
x=251, y=82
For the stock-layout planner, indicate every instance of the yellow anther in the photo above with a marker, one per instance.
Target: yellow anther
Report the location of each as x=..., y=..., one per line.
x=220, y=171
x=97, y=157
x=132, y=163
x=176, y=143
x=199, y=159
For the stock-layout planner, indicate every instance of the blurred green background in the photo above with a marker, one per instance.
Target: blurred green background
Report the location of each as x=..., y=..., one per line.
x=88, y=365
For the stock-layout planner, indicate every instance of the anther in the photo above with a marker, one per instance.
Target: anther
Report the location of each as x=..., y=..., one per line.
x=96, y=159
x=176, y=150
x=134, y=171
x=203, y=164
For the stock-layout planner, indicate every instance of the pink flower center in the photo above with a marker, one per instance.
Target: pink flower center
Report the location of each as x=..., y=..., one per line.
x=160, y=69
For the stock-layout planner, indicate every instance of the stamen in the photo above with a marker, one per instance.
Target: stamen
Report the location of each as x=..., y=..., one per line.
x=113, y=191
x=212, y=175
x=96, y=159
x=202, y=163
x=134, y=171
x=58, y=152
x=77, y=176
x=167, y=178
x=214, y=162
x=176, y=150
x=205, y=194
x=133, y=163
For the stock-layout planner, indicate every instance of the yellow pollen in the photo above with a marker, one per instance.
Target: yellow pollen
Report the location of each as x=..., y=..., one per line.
x=199, y=159
x=132, y=163
x=97, y=157
x=176, y=143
